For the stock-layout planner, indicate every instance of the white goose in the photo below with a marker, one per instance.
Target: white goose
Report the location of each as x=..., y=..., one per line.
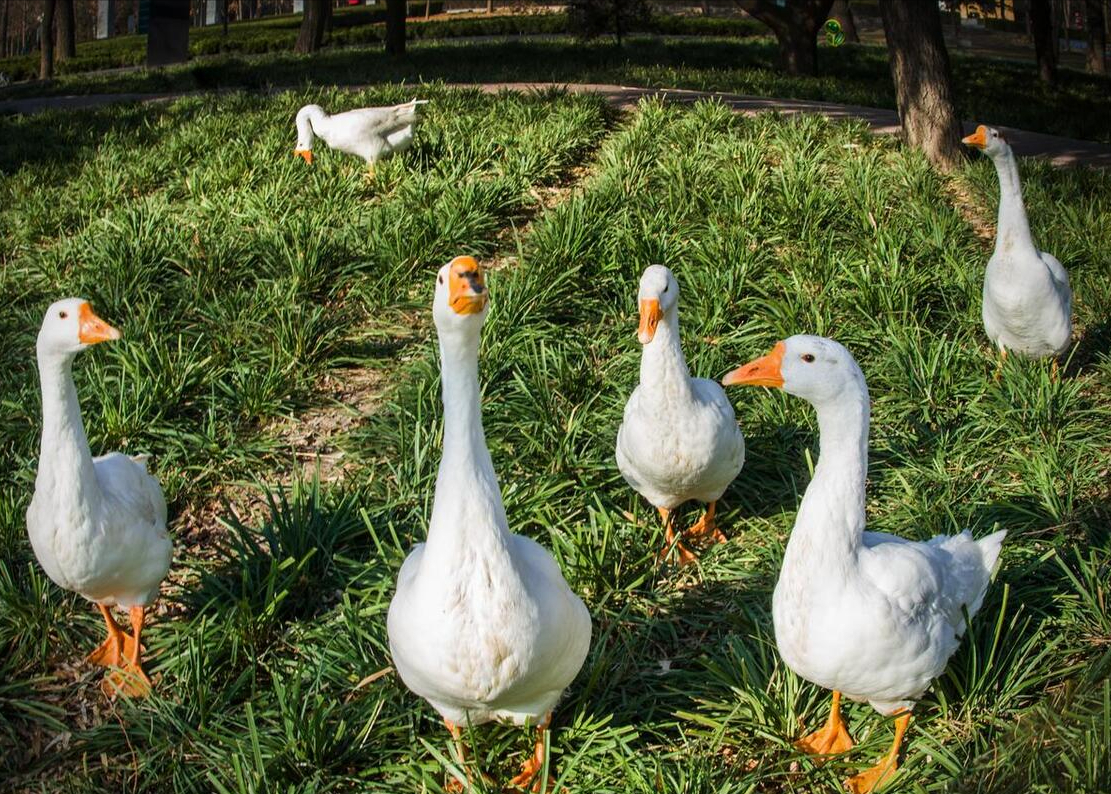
x=483, y=625
x=1027, y=298
x=370, y=133
x=97, y=525
x=868, y=615
x=679, y=438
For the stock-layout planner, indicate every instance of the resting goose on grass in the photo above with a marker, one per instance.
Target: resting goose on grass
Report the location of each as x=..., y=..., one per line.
x=869, y=615
x=97, y=525
x=1027, y=299
x=370, y=133
x=679, y=438
x=483, y=625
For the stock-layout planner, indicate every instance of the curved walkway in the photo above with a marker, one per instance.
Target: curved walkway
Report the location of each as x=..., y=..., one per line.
x=1058, y=150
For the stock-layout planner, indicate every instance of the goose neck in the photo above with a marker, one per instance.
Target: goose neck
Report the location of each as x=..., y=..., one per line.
x=467, y=515
x=64, y=456
x=830, y=521
x=307, y=121
x=662, y=364
x=1013, y=228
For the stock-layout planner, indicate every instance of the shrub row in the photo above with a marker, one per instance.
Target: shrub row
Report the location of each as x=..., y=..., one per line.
x=360, y=26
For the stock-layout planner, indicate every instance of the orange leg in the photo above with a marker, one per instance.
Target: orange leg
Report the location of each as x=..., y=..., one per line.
x=116, y=645
x=832, y=738
x=999, y=365
x=671, y=538
x=534, y=764
x=453, y=784
x=129, y=679
x=1054, y=374
x=706, y=526
x=871, y=779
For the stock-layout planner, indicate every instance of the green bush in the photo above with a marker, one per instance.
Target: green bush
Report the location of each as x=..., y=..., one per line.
x=349, y=28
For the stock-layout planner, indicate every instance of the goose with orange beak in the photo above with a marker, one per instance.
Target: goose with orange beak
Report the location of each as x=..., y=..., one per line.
x=483, y=625
x=868, y=615
x=1027, y=305
x=369, y=133
x=679, y=438
x=97, y=525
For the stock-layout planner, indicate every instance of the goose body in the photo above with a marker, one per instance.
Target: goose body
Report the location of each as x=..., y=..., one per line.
x=482, y=625
x=102, y=536
x=1027, y=301
x=97, y=525
x=369, y=133
x=869, y=615
x=679, y=439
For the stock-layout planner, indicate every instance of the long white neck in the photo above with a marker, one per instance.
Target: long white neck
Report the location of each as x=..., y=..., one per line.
x=1013, y=229
x=65, y=462
x=307, y=117
x=664, y=376
x=830, y=520
x=468, y=515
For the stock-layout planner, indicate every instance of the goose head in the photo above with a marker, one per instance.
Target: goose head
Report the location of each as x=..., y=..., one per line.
x=460, y=303
x=658, y=295
x=70, y=326
x=814, y=368
x=305, y=133
x=988, y=140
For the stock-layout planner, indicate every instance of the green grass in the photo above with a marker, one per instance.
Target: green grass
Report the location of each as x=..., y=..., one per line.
x=987, y=90
x=772, y=226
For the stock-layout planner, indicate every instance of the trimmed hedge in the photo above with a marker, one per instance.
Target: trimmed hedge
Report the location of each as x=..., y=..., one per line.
x=352, y=27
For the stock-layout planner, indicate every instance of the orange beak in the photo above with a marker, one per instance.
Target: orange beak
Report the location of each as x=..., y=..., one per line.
x=304, y=154
x=650, y=314
x=92, y=329
x=764, y=371
x=466, y=286
x=979, y=139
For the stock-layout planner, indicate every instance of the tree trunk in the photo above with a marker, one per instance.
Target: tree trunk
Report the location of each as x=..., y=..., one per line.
x=4, y=30
x=923, y=85
x=168, y=32
x=843, y=13
x=1097, y=42
x=225, y=19
x=489, y=6
x=65, y=25
x=427, y=8
x=395, y=27
x=1041, y=22
x=795, y=26
x=46, y=41
x=311, y=34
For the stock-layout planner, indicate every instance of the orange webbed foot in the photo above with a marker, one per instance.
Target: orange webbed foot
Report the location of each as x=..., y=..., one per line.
x=828, y=740
x=831, y=738
x=128, y=680
x=706, y=526
x=530, y=780
x=871, y=779
x=111, y=652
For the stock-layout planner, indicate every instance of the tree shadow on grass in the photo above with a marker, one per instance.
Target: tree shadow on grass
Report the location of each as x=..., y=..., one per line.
x=66, y=138
x=283, y=569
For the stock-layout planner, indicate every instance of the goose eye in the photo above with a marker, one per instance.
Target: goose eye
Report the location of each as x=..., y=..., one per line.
x=440, y=280
x=808, y=358
x=666, y=287
x=63, y=314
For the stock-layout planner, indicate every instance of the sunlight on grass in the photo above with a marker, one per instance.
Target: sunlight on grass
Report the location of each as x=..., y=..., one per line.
x=240, y=278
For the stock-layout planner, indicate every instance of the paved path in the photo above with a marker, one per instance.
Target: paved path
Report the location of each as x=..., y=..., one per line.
x=1058, y=150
